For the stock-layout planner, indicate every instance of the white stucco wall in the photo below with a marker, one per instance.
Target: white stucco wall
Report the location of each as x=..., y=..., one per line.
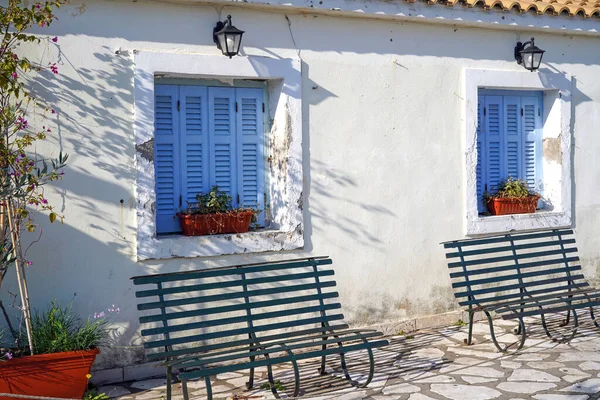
x=382, y=150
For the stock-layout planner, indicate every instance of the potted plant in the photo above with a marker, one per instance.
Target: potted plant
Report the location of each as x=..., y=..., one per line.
x=213, y=214
x=511, y=197
x=65, y=350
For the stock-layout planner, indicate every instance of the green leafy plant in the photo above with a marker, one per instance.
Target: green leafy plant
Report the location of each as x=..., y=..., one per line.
x=278, y=386
x=217, y=202
x=510, y=188
x=60, y=329
x=93, y=394
x=460, y=322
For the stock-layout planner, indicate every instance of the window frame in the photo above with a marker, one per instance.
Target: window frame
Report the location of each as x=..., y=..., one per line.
x=285, y=191
x=234, y=84
x=556, y=125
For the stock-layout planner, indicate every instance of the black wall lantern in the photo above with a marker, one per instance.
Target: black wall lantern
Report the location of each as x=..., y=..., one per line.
x=227, y=37
x=529, y=55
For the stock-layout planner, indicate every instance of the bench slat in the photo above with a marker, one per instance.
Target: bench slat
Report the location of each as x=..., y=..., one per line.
x=242, y=331
x=532, y=264
x=234, y=295
x=522, y=275
x=237, y=307
x=496, y=299
x=245, y=318
x=511, y=257
x=528, y=294
x=233, y=283
x=551, y=310
x=505, y=238
x=281, y=359
x=242, y=342
x=490, y=250
x=232, y=270
x=497, y=289
x=237, y=354
x=533, y=302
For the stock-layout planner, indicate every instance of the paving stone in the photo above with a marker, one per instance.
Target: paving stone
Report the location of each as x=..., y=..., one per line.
x=463, y=392
x=560, y=397
x=113, y=391
x=485, y=372
x=525, y=387
x=532, y=375
x=401, y=388
x=419, y=396
x=532, y=357
x=545, y=364
x=437, y=379
x=150, y=384
x=474, y=380
x=589, y=366
x=510, y=364
x=589, y=386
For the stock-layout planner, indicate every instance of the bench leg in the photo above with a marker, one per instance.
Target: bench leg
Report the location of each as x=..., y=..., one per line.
x=169, y=381
x=184, y=389
x=272, y=384
x=506, y=349
x=345, y=367
x=562, y=338
x=593, y=317
x=250, y=383
x=470, y=337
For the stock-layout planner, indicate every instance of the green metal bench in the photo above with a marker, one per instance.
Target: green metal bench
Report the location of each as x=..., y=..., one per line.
x=518, y=276
x=211, y=321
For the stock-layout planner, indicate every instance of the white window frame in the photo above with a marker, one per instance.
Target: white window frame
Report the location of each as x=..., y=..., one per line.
x=557, y=176
x=283, y=78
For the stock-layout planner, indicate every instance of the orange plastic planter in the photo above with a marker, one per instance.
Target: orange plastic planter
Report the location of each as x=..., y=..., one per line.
x=49, y=375
x=508, y=205
x=212, y=224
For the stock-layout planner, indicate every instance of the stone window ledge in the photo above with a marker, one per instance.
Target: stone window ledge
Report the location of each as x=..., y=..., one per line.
x=518, y=222
x=170, y=246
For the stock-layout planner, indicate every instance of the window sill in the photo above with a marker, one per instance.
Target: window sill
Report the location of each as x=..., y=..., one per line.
x=176, y=246
x=541, y=219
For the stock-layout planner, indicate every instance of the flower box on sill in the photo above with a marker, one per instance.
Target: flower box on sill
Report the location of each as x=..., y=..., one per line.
x=512, y=205
x=213, y=224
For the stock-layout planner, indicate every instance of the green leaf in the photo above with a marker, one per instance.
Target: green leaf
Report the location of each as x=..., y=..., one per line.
x=52, y=217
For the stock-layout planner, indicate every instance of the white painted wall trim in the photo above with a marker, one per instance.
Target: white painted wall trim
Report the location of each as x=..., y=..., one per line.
x=400, y=10
x=557, y=124
x=284, y=81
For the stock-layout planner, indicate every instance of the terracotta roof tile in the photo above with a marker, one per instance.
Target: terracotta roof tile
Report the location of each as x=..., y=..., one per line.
x=580, y=8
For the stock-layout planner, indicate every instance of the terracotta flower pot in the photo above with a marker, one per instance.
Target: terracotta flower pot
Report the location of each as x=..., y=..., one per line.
x=212, y=224
x=49, y=375
x=512, y=205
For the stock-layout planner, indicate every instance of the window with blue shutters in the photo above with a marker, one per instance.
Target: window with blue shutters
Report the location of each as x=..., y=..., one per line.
x=509, y=139
x=207, y=136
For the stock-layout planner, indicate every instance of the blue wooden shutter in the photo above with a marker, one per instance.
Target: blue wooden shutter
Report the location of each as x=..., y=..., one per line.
x=494, y=142
x=480, y=153
x=194, y=142
x=250, y=150
x=221, y=114
x=532, y=123
x=166, y=158
x=512, y=138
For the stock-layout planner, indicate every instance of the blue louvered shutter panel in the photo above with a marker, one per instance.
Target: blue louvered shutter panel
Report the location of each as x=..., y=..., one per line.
x=166, y=158
x=194, y=142
x=531, y=126
x=250, y=150
x=222, y=122
x=480, y=154
x=494, y=142
x=512, y=138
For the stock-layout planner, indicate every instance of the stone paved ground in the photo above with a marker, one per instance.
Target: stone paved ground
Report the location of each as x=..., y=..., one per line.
x=429, y=364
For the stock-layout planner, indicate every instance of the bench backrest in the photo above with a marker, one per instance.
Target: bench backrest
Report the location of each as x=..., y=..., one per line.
x=212, y=309
x=498, y=269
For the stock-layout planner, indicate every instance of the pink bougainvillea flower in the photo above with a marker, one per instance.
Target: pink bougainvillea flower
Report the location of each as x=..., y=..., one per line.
x=55, y=39
x=53, y=111
x=29, y=263
x=54, y=69
x=15, y=57
x=14, y=75
x=9, y=355
x=44, y=201
x=38, y=6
